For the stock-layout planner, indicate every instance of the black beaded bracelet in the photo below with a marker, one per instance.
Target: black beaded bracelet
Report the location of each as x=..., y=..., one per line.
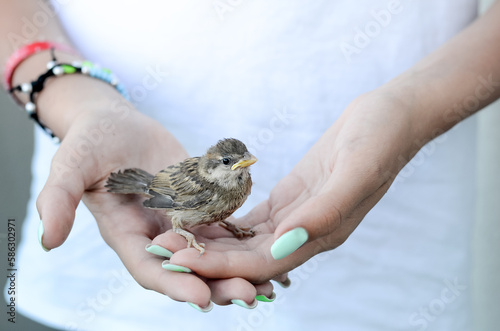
x=57, y=69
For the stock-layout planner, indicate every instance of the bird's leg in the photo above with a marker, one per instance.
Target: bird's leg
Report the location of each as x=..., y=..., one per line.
x=191, y=241
x=238, y=232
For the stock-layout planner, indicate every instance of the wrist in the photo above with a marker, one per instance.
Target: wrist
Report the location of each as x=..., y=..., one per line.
x=65, y=97
x=69, y=97
x=415, y=94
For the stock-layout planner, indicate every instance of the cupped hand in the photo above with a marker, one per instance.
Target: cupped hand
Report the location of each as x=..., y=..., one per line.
x=320, y=203
x=96, y=144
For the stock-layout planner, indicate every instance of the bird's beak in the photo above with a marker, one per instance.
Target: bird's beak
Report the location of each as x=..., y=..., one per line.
x=247, y=161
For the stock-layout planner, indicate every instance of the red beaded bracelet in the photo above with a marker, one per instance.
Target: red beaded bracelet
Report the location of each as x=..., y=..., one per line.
x=26, y=51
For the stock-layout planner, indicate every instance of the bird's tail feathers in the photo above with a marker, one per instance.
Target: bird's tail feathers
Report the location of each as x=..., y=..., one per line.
x=130, y=181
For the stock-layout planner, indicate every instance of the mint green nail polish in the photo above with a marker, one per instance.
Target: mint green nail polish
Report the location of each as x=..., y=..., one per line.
x=173, y=267
x=263, y=298
x=243, y=304
x=40, y=236
x=203, y=310
x=289, y=243
x=158, y=250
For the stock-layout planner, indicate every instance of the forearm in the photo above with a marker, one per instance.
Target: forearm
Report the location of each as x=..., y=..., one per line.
x=25, y=21
x=455, y=81
x=64, y=98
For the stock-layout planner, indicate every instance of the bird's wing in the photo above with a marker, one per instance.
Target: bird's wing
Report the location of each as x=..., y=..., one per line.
x=159, y=201
x=182, y=184
x=195, y=201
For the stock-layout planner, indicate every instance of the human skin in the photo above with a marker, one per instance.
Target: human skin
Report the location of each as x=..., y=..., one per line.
x=73, y=105
x=328, y=192
x=353, y=164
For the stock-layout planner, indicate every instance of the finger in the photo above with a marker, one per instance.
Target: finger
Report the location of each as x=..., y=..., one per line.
x=61, y=195
x=265, y=292
x=175, y=242
x=334, y=212
x=228, y=260
x=233, y=291
x=283, y=280
x=240, y=292
x=147, y=270
x=203, y=234
x=327, y=218
x=171, y=241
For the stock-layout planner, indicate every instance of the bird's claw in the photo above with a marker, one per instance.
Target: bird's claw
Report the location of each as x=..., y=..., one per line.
x=239, y=232
x=191, y=241
x=200, y=247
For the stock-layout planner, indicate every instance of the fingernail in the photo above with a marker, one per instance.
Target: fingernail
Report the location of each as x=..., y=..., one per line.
x=158, y=250
x=263, y=298
x=286, y=283
x=40, y=236
x=203, y=310
x=289, y=243
x=174, y=267
x=243, y=304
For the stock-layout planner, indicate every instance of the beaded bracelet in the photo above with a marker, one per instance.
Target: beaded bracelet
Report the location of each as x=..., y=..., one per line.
x=26, y=51
x=57, y=69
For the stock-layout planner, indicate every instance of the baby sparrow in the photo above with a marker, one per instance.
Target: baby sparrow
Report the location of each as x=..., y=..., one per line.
x=198, y=190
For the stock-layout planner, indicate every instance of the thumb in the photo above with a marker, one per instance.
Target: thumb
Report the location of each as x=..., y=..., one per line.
x=60, y=196
x=329, y=216
x=314, y=218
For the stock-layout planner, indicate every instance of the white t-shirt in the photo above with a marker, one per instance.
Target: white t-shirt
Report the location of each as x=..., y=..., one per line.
x=275, y=74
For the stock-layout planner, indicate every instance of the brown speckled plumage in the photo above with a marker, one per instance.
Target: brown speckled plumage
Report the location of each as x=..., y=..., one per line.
x=198, y=190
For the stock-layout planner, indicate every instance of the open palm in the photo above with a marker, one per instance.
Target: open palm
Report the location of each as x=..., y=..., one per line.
x=328, y=193
x=133, y=141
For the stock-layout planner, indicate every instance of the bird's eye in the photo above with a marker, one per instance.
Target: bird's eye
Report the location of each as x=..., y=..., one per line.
x=226, y=161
